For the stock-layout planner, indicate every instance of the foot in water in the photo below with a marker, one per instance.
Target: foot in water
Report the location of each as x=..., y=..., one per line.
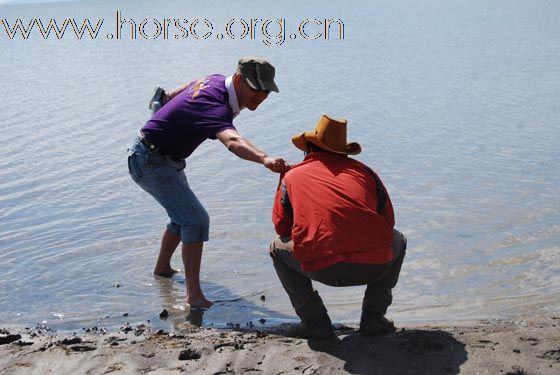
x=198, y=302
x=167, y=272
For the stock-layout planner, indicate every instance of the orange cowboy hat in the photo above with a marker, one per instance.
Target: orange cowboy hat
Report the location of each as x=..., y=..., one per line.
x=330, y=135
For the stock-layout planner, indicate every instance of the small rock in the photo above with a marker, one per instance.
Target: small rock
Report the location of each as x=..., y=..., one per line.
x=24, y=343
x=516, y=351
x=140, y=329
x=72, y=341
x=127, y=328
x=188, y=354
x=552, y=354
x=42, y=328
x=9, y=339
x=222, y=344
x=262, y=320
x=516, y=370
x=83, y=348
x=125, y=314
x=263, y=298
x=164, y=313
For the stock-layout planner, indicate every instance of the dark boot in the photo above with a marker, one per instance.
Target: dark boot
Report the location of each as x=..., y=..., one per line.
x=375, y=324
x=319, y=328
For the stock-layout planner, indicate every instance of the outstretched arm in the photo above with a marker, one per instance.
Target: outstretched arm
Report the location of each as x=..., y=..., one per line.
x=243, y=149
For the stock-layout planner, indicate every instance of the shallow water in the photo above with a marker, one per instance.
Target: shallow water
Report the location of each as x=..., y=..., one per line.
x=455, y=105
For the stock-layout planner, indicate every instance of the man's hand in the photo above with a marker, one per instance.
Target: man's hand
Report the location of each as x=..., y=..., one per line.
x=277, y=165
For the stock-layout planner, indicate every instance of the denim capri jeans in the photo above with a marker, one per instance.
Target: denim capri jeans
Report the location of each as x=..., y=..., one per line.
x=164, y=179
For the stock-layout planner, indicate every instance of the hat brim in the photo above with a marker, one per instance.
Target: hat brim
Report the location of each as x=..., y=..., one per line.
x=266, y=85
x=300, y=139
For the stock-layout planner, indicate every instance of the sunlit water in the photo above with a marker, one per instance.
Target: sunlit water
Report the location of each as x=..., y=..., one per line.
x=456, y=105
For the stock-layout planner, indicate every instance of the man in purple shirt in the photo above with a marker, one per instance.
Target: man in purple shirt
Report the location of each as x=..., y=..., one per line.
x=189, y=115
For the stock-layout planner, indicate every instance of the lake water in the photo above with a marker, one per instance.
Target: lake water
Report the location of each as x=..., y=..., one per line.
x=456, y=104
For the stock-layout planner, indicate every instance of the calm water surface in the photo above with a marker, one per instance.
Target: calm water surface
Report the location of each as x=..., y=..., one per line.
x=456, y=105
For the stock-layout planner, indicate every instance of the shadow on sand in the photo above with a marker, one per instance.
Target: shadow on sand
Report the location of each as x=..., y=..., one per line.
x=403, y=352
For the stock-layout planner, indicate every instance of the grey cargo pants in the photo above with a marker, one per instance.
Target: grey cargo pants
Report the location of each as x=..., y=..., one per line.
x=379, y=278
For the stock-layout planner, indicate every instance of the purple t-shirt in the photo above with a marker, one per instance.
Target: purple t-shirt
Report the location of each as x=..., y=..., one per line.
x=197, y=113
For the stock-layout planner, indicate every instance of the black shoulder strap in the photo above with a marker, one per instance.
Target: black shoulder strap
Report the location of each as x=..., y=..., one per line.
x=379, y=191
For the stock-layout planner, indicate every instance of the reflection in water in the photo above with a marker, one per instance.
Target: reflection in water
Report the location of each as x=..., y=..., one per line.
x=181, y=316
x=229, y=309
x=195, y=315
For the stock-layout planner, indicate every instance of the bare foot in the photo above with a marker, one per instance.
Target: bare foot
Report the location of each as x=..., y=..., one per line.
x=200, y=302
x=167, y=272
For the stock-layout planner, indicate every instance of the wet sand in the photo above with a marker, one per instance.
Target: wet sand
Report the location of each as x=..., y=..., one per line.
x=525, y=346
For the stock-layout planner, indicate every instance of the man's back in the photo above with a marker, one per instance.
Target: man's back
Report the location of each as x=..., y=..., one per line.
x=334, y=206
x=194, y=115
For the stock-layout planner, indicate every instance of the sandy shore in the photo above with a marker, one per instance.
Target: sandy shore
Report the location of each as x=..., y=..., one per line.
x=527, y=346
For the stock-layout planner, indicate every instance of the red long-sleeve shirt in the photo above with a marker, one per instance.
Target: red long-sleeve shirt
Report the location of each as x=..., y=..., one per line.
x=328, y=205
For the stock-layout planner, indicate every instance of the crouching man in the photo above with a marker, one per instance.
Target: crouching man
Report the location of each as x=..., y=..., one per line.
x=335, y=222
